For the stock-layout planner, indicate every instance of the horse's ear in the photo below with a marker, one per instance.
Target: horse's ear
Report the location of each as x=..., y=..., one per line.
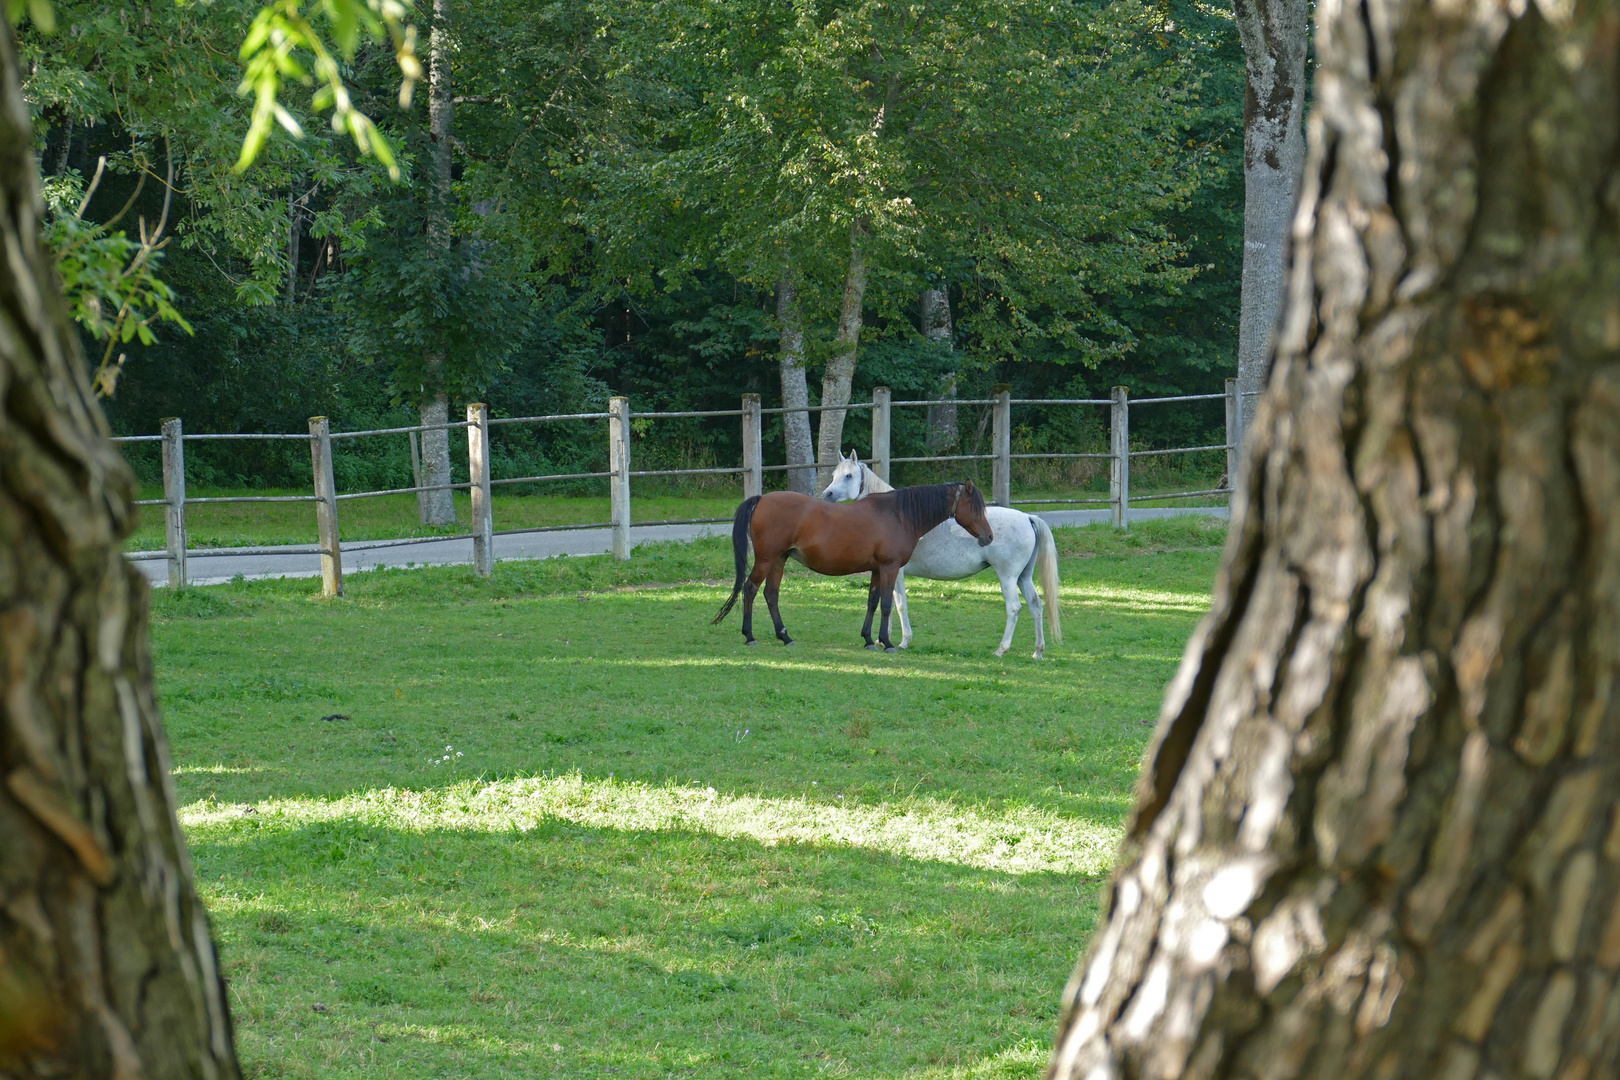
x=854, y=455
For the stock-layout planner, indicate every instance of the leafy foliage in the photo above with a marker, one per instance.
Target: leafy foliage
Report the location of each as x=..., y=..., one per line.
x=109, y=280
x=629, y=180
x=269, y=56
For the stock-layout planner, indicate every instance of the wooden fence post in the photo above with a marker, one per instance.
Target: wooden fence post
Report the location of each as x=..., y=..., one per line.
x=880, y=430
x=1119, y=473
x=753, y=454
x=1234, y=432
x=483, y=517
x=1001, y=443
x=619, y=464
x=326, y=521
x=174, y=491
x=416, y=475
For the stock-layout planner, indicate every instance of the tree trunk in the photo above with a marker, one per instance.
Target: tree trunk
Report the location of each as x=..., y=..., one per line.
x=1377, y=833
x=1274, y=48
x=835, y=381
x=936, y=327
x=795, y=392
x=438, y=509
x=438, y=503
x=107, y=967
x=292, y=250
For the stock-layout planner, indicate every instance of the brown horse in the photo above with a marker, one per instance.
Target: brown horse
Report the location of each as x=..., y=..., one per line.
x=876, y=534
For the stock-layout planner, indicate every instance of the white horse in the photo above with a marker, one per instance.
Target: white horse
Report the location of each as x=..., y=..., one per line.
x=1023, y=544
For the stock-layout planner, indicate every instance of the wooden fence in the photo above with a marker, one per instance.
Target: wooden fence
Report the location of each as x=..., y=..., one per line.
x=326, y=498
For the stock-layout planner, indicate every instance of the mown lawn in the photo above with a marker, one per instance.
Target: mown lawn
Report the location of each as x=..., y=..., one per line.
x=564, y=827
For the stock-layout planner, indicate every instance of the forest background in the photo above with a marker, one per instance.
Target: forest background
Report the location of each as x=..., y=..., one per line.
x=632, y=191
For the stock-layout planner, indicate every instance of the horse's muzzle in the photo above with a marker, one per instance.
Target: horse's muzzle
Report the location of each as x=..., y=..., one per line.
x=986, y=541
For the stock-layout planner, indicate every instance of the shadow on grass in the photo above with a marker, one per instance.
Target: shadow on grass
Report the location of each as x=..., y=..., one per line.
x=567, y=950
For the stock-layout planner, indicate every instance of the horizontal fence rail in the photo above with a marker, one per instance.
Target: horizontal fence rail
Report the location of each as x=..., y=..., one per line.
x=619, y=473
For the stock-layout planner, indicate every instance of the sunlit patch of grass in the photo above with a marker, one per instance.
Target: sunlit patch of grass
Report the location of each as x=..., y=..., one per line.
x=1014, y=840
x=572, y=830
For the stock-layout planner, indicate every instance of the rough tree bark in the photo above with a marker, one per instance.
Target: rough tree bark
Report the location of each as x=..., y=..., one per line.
x=1377, y=833
x=935, y=317
x=795, y=391
x=107, y=968
x=840, y=373
x=438, y=508
x=1274, y=49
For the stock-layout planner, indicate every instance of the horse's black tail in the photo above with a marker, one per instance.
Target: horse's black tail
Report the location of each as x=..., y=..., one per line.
x=739, y=549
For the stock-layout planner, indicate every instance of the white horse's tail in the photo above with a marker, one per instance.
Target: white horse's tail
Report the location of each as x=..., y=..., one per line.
x=1047, y=567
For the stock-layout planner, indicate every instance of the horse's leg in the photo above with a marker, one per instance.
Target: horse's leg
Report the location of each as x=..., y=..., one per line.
x=773, y=589
x=900, y=606
x=1037, y=612
x=751, y=587
x=1009, y=593
x=871, y=607
x=886, y=590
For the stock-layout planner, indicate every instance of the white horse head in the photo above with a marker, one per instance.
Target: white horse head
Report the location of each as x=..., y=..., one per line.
x=848, y=480
x=854, y=479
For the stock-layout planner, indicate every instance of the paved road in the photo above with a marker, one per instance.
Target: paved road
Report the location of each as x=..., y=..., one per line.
x=363, y=555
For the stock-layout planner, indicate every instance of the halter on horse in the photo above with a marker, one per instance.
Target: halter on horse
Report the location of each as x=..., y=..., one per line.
x=875, y=535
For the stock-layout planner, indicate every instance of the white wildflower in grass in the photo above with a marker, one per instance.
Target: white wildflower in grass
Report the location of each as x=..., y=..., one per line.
x=458, y=753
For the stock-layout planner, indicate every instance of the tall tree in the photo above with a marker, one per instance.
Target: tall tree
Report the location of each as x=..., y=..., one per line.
x=434, y=396
x=1378, y=829
x=863, y=142
x=934, y=317
x=839, y=374
x=107, y=967
x=795, y=390
x=1274, y=49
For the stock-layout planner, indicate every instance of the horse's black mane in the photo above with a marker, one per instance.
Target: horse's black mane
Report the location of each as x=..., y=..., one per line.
x=925, y=506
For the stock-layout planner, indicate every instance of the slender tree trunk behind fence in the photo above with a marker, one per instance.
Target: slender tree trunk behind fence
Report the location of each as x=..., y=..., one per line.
x=439, y=507
x=1275, y=45
x=416, y=477
x=840, y=371
x=174, y=491
x=800, y=447
x=935, y=317
x=438, y=502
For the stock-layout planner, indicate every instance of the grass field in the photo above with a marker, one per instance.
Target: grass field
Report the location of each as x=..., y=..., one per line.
x=560, y=826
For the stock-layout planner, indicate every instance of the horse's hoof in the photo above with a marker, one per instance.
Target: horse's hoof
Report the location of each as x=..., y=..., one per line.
x=787, y=641
x=1000, y=652
x=750, y=641
x=873, y=646
x=1039, y=656
x=891, y=648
